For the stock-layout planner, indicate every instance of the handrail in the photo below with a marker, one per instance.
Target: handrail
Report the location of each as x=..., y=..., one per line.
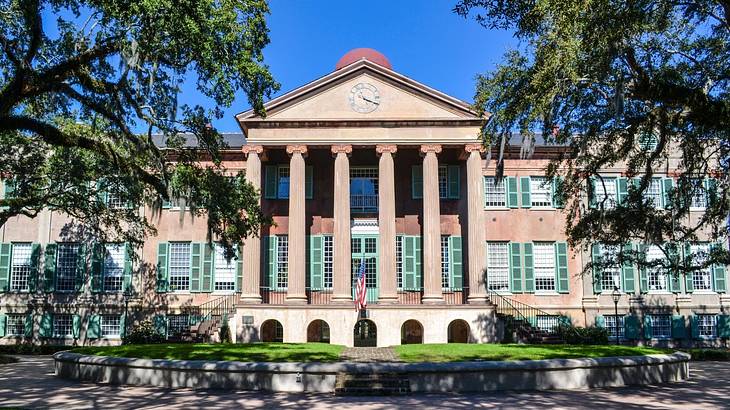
x=521, y=311
x=222, y=306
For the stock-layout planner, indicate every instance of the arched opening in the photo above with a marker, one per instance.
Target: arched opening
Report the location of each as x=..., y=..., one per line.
x=458, y=331
x=272, y=331
x=318, y=331
x=411, y=332
x=366, y=333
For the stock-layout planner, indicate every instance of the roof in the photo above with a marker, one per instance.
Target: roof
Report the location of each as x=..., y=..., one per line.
x=234, y=140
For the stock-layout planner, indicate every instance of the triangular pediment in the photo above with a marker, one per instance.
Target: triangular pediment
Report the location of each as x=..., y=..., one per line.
x=363, y=91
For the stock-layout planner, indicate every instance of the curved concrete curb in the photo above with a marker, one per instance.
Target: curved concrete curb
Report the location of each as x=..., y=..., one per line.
x=424, y=377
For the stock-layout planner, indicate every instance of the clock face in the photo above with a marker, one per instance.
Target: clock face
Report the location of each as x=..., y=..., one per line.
x=364, y=98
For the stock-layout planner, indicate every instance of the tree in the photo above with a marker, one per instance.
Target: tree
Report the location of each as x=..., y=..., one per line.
x=87, y=86
x=640, y=86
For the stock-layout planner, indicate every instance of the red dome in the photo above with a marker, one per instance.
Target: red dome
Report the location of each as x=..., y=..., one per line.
x=369, y=54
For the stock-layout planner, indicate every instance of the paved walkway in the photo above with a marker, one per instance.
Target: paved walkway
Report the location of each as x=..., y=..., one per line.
x=369, y=354
x=31, y=384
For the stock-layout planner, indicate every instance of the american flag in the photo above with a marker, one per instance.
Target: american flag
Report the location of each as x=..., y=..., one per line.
x=361, y=291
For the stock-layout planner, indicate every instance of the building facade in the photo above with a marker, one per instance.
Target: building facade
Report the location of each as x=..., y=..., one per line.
x=363, y=168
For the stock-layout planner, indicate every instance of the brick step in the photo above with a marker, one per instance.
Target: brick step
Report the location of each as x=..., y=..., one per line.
x=372, y=384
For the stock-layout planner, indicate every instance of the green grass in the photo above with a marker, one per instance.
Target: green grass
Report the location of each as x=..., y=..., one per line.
x=457, y=352
x=256, y=352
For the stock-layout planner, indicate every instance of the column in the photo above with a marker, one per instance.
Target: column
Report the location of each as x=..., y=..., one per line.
x=431, y=251
x=251, y=287
x=476, y=226
x=386, y=223
x=342, y=258
x=297, y=229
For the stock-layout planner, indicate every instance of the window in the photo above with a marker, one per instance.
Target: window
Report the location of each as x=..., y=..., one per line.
x=498, y=266
x=328, y=260
x=699, y=198
x=110, y=325
x=282, y=261
x=661, y=326
x=544, y=260
x=494, y=192
x=21, y=267
x=66, y=263
x=179, y=266
x=605, y=192
x=648, y=141
x=62, y=325
x=611, y=274
x=445, y=263
x=177, y=324
x=707, y=326
x=399, y=261
x=115, y=201
x=15, y=324
x=615, y=326
x=443, y=181
x=540, y=192
x=282, y=182
x=656, y=275
x=653, y=193
x=114, y=267
x=363, y=189
x=547, y=322
x=701, y=279
x=225, y=271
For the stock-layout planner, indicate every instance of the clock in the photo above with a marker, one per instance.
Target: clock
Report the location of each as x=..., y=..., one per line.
x=364, y=98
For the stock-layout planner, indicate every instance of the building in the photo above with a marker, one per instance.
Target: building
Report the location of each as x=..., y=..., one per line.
x=363, y=166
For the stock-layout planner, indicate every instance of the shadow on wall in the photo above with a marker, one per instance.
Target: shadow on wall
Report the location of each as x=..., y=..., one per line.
x=488, y=327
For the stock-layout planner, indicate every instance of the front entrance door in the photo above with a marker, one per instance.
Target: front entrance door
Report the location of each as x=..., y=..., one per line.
x=365, y=249
x=366, y=333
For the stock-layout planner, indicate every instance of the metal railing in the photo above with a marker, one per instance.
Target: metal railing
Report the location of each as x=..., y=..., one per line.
x=408, y=296
x=321, y=296
x=363, y=203
x=522, y=315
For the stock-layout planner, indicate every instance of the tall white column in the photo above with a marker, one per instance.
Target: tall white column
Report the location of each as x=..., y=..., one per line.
x=432, y=292
x=297, y=226
x=476, y=224
x=251, y=286
x=386, y=223
x=342, y=257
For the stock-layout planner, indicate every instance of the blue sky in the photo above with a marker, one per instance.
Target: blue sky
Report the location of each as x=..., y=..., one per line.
x=424, y=40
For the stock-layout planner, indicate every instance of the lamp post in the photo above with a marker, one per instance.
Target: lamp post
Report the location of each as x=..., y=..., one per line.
x=127, y=295
x=616, y=295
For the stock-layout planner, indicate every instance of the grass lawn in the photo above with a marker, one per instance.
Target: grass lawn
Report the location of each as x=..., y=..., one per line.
x=257, y=352
x=457, y=352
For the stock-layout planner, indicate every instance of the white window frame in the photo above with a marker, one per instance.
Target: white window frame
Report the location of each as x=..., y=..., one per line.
x=445, y=263
x=21, y=267
x=366, y=204
x=541, y=187
x=113, y=269
x=282, y=171
x=656, y=274
x=223, y=269
x=701, y=194
x=399, y=261
x=176, y=268
x=15, y=322
x=282, y=262
x=704, y=322
x=611, y=326
x=613, y=272
x=495, y=190
x=602, y=188
x=107, y=326
x=328, y=261
x=62, y=321
x=498, y=265
x=666, y=326
x=542, y=269
x=64, y=252
x=177, y=323
x=705, y=275
x=655, y=192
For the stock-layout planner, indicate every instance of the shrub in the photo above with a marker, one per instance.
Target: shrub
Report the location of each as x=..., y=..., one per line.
x=592, y=335
x=142, y=334
x=225, y=333
x=709, y=354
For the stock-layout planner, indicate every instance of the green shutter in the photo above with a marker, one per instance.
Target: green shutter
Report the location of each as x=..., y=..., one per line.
x=631, y=327
x=643, y=277
x=418, y=266
x=35, y=263
x=529, y=267
x=667, y=187
x=561, y=266
x=46, y=329
x=409, y=262
x=5, y=261
x=3, y=322
x=271, y=252
x=525, y=190
x=558, y=200
x=688, y=285
x=97, y=265
x=592, y=203
x=162, y=254
x=49, y=267
x=160, y=322
x=123, y=325
x=600, y=321
x=723, y=326
x=622, y=189
x=648, y=331
x=628, y=272
x=28, y=326
x=694, y=325
x=679, y=328
x=9, y=189
x=512, y=194
x=93, y=329
x=455, y=259
x=316, y=263
x=597, y=271
x=208, y=268
x=80, y=277
x=674, y=284
x=719, y=275
x=454, y=183
x=102, y=193
x=195, y=266
x=308, y=182
x=711, y=191
x=417, y=182
x=515, y=268
x=76, y=330
x=127, y=280
x=239, y=269
x=271, y=183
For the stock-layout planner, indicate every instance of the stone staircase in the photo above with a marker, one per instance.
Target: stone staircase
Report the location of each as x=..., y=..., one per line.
x=372, y=384
x=208, y=319
x=521, y=321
